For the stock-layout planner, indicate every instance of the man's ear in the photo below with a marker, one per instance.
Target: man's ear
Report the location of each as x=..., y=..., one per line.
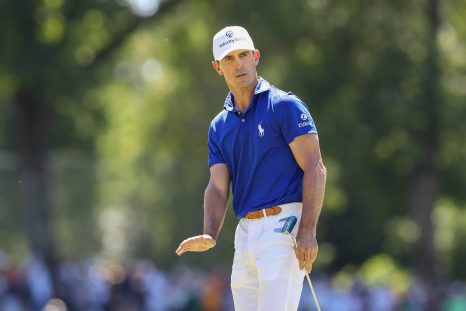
x=257, y=56
x=216, y=65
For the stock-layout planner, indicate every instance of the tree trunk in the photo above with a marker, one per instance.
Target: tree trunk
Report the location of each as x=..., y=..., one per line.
x=32, y=136
x=425, y=180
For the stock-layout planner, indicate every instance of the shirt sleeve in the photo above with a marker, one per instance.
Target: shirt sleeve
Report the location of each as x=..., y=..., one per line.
x=215, y=155
x=293, y=118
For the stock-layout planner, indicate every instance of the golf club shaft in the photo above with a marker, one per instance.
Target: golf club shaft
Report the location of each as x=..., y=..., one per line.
x=308, y=279
x=312, y=291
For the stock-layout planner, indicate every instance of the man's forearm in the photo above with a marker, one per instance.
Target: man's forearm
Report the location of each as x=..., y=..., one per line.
x=215, y=205
x=314, y=180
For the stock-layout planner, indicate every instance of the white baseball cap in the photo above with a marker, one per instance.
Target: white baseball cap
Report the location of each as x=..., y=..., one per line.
x=229, y=39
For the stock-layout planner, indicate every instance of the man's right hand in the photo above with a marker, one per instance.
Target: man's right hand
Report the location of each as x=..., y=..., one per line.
x=198, y=243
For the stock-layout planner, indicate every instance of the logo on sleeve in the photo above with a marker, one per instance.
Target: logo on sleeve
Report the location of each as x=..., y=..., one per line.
x=261, y=129
x=306, y=120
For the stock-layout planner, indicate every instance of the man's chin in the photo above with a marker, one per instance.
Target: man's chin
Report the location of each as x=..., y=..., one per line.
x=244, y=80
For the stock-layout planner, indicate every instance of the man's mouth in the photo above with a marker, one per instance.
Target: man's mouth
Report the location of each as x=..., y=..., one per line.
x=241, y=75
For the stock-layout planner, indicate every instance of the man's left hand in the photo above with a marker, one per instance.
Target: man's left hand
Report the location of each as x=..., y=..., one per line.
x=306, y=251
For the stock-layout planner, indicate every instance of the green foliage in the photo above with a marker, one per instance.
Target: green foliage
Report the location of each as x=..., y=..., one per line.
x=381, y=270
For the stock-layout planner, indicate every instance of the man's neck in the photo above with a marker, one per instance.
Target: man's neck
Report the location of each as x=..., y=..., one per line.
x=243, y=96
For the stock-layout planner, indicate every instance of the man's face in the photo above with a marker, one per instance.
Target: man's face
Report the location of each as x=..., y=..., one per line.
x=238, y=67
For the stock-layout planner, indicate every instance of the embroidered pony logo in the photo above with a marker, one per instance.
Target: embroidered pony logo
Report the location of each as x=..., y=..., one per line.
x=261, y=130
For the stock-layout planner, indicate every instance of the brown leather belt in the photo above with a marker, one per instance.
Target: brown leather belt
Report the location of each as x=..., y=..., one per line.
x=270, y=211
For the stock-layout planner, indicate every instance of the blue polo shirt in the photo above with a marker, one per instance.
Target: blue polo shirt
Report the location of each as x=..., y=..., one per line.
x=255, y=147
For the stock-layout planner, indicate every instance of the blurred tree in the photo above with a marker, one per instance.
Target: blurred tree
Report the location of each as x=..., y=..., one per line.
x=425, y=184
x=53, y=47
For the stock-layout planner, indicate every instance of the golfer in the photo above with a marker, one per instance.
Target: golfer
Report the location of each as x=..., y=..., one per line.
x=265, y=143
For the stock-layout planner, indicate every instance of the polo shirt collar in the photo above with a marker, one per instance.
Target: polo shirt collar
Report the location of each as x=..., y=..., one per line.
x=262, y=86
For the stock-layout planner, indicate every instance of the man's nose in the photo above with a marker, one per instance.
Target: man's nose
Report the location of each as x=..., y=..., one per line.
x=238, y=64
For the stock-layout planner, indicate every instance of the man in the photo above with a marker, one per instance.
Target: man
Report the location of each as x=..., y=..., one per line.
x=265, y=143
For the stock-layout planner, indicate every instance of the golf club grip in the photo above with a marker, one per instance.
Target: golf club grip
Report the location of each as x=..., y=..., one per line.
x=308, y=278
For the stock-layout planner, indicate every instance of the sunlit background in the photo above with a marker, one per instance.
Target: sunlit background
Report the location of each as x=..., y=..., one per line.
x=104, y=112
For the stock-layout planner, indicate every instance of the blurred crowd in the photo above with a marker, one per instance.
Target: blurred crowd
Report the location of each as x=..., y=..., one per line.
x=96, y=285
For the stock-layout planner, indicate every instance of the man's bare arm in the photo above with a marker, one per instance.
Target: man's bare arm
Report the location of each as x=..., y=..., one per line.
x=216, y=199
x=306, y=151
x=215, y=204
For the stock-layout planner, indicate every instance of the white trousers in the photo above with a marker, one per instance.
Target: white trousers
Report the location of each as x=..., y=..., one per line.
x=265, y=274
